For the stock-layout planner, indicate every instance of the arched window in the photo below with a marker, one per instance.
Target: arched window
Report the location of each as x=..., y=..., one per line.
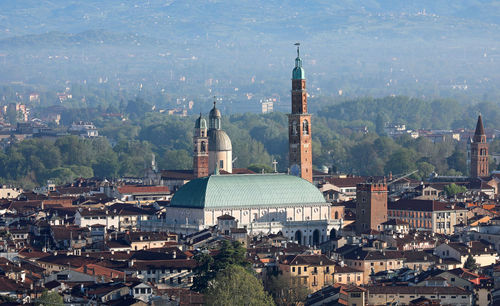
x=305, y=127
x=294, y=128
x=203, y=147
x=336, y=215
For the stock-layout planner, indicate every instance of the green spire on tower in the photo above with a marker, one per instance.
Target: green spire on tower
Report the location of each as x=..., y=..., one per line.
x=298, y=72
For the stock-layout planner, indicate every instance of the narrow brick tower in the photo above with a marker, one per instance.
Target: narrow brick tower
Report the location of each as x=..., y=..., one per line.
x=479, y=160
x=299, y=125
x=371, y=206
x=200, y=154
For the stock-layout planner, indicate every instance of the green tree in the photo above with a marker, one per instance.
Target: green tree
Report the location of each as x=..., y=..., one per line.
x=235, y=285
x=470, y=263
x=284, y=292
x=453, y=189
x=424, y=169
x=458, y=160
x=230, y=253
x=401, y=162
x=50, y=298
x=11, y=114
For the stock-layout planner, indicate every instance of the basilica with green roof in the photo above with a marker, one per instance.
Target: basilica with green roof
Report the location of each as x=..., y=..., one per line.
x=260, y=203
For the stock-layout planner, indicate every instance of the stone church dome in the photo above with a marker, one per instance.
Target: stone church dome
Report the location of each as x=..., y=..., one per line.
x=219, y=141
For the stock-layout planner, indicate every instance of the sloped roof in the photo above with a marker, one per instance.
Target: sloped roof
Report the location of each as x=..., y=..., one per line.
x=479, y=127
x=143, y=189
x=245, y=190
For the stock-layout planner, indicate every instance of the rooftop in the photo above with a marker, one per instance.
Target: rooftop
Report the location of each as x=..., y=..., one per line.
x=246, y=190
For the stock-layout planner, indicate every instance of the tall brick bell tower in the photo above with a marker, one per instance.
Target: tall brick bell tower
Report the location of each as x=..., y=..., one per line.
x=200, y=143
x=299, y=125
x=479, y=161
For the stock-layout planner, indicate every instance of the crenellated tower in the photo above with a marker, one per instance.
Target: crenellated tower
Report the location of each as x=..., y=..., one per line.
x=299, y=125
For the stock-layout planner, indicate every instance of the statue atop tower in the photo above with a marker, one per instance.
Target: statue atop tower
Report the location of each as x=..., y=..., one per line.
x=299, y=125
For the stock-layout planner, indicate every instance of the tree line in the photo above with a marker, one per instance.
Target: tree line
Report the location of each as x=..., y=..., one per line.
x=347, y=137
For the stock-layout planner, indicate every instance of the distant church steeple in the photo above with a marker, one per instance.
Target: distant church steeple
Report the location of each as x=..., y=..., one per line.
x=479, y=159
x=299, y=125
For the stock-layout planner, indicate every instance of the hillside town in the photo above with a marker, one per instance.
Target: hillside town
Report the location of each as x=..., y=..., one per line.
x=310, y=237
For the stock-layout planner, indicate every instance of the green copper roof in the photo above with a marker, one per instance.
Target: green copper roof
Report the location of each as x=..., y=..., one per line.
x=245, y=190
x=200, y=123
x=298, y=72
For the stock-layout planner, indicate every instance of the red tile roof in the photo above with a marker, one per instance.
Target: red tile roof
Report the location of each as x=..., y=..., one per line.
x=142, y=189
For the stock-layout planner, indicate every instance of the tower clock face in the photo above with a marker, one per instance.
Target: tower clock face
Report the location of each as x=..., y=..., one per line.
x=295, y=170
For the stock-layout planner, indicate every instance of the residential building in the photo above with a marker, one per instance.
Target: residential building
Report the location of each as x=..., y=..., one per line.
x=404, y=295
x=311, y=271
x=483, y=254
x=373, y=261
x=428, y=215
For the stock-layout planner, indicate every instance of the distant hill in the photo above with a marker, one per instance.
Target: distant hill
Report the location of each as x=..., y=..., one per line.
x=357, y=47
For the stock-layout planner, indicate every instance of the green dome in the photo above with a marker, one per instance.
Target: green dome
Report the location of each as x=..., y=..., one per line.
x=246, y=190
x=200, y=123
x=298, y=73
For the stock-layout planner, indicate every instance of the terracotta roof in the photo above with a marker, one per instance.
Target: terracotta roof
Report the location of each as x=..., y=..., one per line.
x=360, y=254
x=177, y=175
x=345, y=182
x=64, y=260
x=95, y=269
x=416, y=290
x=238, y=171
x=63, y=232
x=395, y=222
x=472, y=247
x=423, y=205
x=225, y=217
x=346, y=269
x=8, y=285
x=73, y=190
x=143, y=189
x=313, y=260
x=161, y=264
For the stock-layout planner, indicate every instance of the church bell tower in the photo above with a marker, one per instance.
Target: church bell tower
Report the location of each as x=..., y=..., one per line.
x=479, y=161
x=200, y=142
x=299, y=125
